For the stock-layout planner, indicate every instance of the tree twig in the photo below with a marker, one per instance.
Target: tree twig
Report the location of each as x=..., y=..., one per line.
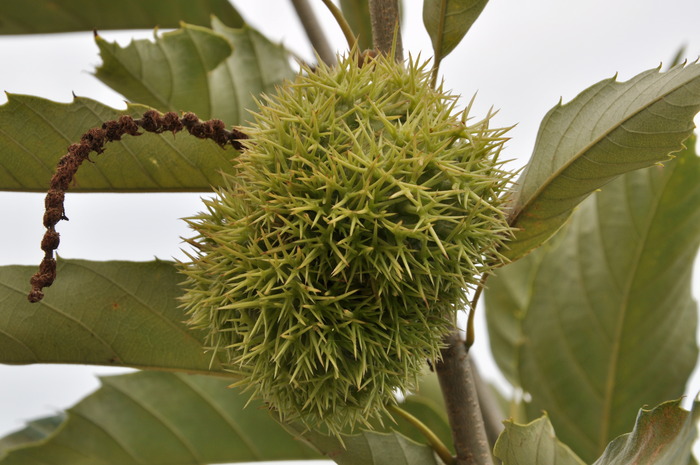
x=384, y=15
x=314, y=31
x=462, y=403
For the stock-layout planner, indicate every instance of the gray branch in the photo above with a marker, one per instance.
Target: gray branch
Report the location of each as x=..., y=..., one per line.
x=385, y=22
x=462, y=403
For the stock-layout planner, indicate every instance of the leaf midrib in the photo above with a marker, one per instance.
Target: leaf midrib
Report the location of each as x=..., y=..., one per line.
x=207, y=73
x=581, y=153
x=441, y=31
x=181, y=330
x=73, y=319
x=528, y=304
x=76, y=413
x=610, y=385
x=161, y=419
x=229, y=419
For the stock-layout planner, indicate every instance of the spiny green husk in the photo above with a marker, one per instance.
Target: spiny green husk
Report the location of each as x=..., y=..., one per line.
x=331, y=266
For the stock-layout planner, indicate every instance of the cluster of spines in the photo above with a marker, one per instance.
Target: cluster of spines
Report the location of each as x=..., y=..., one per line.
x=332, y=266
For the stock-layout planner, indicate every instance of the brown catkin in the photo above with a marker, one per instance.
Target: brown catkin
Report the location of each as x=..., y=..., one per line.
x=94, y=140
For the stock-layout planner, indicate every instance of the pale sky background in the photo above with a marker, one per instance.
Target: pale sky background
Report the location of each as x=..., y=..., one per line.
x=521, y=57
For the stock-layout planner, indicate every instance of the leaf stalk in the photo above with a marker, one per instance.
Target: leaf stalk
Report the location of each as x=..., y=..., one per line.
x=438, y=446
x=342, y=22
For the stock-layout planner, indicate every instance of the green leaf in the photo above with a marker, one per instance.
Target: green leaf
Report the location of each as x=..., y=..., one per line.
x=165, y=418
x=256, y=66
x=609, y=129
x=101, y=313
x=427, y=406
x=608, y=320
x=46, y=16
x=162, y=418
x=533, y=444
x=447, y=22
x=35, y=431
x=661, y=436
x=366, y=448
x=193, y=69
x=35, y=134
x=429, y=415
x=169, y=74
x=430, y=390
x=507, y=299
x=356, y=12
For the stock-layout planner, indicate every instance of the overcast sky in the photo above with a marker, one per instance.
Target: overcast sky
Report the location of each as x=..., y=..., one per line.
x=521, y=57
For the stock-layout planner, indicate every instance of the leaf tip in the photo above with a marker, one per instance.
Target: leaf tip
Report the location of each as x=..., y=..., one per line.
x=96, y=35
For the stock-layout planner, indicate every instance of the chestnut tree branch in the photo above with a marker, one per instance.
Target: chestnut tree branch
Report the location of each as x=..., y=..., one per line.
x=314, y=31
x=384, y=15
x=459, y=391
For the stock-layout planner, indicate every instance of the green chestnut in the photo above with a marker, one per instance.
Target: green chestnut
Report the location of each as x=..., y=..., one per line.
x=331, y=266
